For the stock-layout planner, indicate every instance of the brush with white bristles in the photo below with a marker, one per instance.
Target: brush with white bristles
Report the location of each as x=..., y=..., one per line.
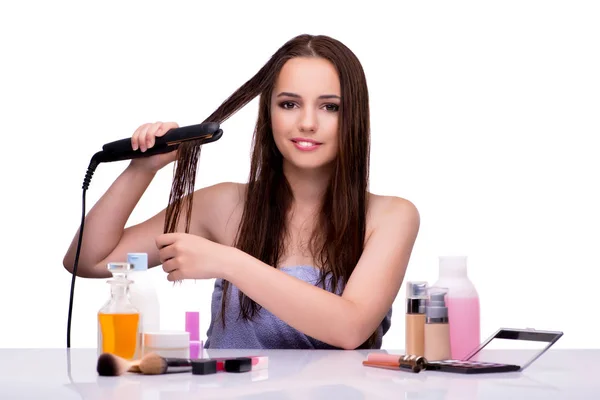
x=112, y=365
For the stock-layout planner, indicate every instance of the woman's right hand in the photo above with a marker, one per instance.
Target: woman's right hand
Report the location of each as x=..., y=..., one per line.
x=144, y=138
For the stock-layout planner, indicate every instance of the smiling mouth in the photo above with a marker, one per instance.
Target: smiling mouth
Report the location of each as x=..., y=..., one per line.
x=305, y=143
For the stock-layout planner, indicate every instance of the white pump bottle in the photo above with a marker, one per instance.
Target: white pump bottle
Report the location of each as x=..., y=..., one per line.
x=143, y=296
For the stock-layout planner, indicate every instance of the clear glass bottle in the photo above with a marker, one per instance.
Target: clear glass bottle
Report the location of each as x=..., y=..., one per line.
x=118, y=319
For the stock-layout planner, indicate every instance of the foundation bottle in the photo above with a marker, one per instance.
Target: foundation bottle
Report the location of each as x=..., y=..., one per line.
x=416, y=295
x=437, y=330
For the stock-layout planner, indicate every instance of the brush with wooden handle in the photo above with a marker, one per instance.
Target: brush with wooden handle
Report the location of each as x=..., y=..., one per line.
x=112, y=365
x=153, y=364
x=150, y=364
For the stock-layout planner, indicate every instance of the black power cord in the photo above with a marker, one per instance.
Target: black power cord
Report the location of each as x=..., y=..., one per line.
x=86, y=183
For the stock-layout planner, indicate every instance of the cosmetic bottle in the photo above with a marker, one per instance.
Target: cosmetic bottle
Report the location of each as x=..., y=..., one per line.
x=118, y=319
x=437, y=330
x=463, y=306
x=416, y=295
x=192, y=326
x=143, y=296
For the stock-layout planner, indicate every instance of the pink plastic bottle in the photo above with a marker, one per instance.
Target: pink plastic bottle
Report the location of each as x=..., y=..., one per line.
x=192, y=325
x=463, y=305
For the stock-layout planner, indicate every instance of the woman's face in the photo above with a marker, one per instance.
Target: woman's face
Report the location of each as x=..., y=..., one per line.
x=304, y=112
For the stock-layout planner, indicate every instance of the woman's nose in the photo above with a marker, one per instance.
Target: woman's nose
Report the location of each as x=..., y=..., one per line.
x=308, y=121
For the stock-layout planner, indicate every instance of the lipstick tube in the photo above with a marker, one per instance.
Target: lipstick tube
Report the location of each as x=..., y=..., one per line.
x=396, y=362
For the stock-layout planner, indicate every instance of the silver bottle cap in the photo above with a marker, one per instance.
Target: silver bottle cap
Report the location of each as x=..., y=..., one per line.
x=436, y=309
x=416, y=296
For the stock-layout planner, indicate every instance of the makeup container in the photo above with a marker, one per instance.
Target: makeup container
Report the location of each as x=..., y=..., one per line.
x=143, y=296
x=416, y=296
x=118, y=319
x=192, y=326
x=463, y=305
x=476, y=364
x=397, y=362
x=437, y=330
x=204, y=367
x=255, y=363
x=168, y=344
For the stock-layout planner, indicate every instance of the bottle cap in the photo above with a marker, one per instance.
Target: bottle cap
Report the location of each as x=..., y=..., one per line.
x=416, y=294
x=240, y=364
x=453, y=265
x=204, y=367
x=192, y=324
x=138, y=260
x=416, y=290
x=436, y=309
x=119, y=270
x=167, y=339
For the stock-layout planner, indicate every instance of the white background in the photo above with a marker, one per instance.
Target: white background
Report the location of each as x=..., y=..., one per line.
x=485, y=115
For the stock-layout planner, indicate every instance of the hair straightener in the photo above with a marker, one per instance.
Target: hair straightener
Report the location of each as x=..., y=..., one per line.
x=119, y=150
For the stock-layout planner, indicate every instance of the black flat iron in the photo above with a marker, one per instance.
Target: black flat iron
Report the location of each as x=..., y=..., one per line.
x=119, y=150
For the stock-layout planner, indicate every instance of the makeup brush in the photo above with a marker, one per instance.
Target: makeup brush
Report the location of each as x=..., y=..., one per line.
x=391, y=365
x=153, y=364
x=111, y=365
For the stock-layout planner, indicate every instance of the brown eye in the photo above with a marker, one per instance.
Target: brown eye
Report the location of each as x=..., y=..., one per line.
x=332, y=107
x=286, y=105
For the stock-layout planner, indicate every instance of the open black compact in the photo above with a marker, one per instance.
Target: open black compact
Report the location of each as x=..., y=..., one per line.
x=507, y=350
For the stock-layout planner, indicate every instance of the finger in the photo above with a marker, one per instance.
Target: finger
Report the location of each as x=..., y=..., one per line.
x=151, y=134
x=142, y=137
x=166, y=239
x=166, y=127
x=166, y=253
x=174, y=276
x=135, y=144
x=170, y=265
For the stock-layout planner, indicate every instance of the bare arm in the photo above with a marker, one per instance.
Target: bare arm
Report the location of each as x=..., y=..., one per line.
x=104, y=236
x=105, y=223
x=343, y=321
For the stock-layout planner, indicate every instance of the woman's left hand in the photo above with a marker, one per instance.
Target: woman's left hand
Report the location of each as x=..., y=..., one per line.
x=187, y=256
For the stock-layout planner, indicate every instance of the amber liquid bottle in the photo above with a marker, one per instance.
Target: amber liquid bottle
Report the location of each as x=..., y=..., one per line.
x=119, y=321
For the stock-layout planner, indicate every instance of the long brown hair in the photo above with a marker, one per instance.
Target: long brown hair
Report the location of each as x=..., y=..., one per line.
x=338, y=242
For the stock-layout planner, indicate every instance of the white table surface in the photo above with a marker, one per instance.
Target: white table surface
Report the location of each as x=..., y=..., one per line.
x=294, y=374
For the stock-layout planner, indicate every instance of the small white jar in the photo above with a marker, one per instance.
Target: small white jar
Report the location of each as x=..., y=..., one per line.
x=173, y=344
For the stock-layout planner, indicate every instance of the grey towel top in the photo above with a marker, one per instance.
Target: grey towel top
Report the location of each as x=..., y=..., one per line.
x=265, y=330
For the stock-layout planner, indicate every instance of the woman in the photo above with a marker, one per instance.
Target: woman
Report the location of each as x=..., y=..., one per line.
x=303, y=255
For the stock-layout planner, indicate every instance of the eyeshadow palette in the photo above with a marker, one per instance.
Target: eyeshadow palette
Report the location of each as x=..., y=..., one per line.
x=470, y=367
x=472, y=364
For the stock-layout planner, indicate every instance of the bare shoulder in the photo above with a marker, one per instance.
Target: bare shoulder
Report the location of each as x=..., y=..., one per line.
x=227, y=192
x=219, y=208
x=384, y=211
